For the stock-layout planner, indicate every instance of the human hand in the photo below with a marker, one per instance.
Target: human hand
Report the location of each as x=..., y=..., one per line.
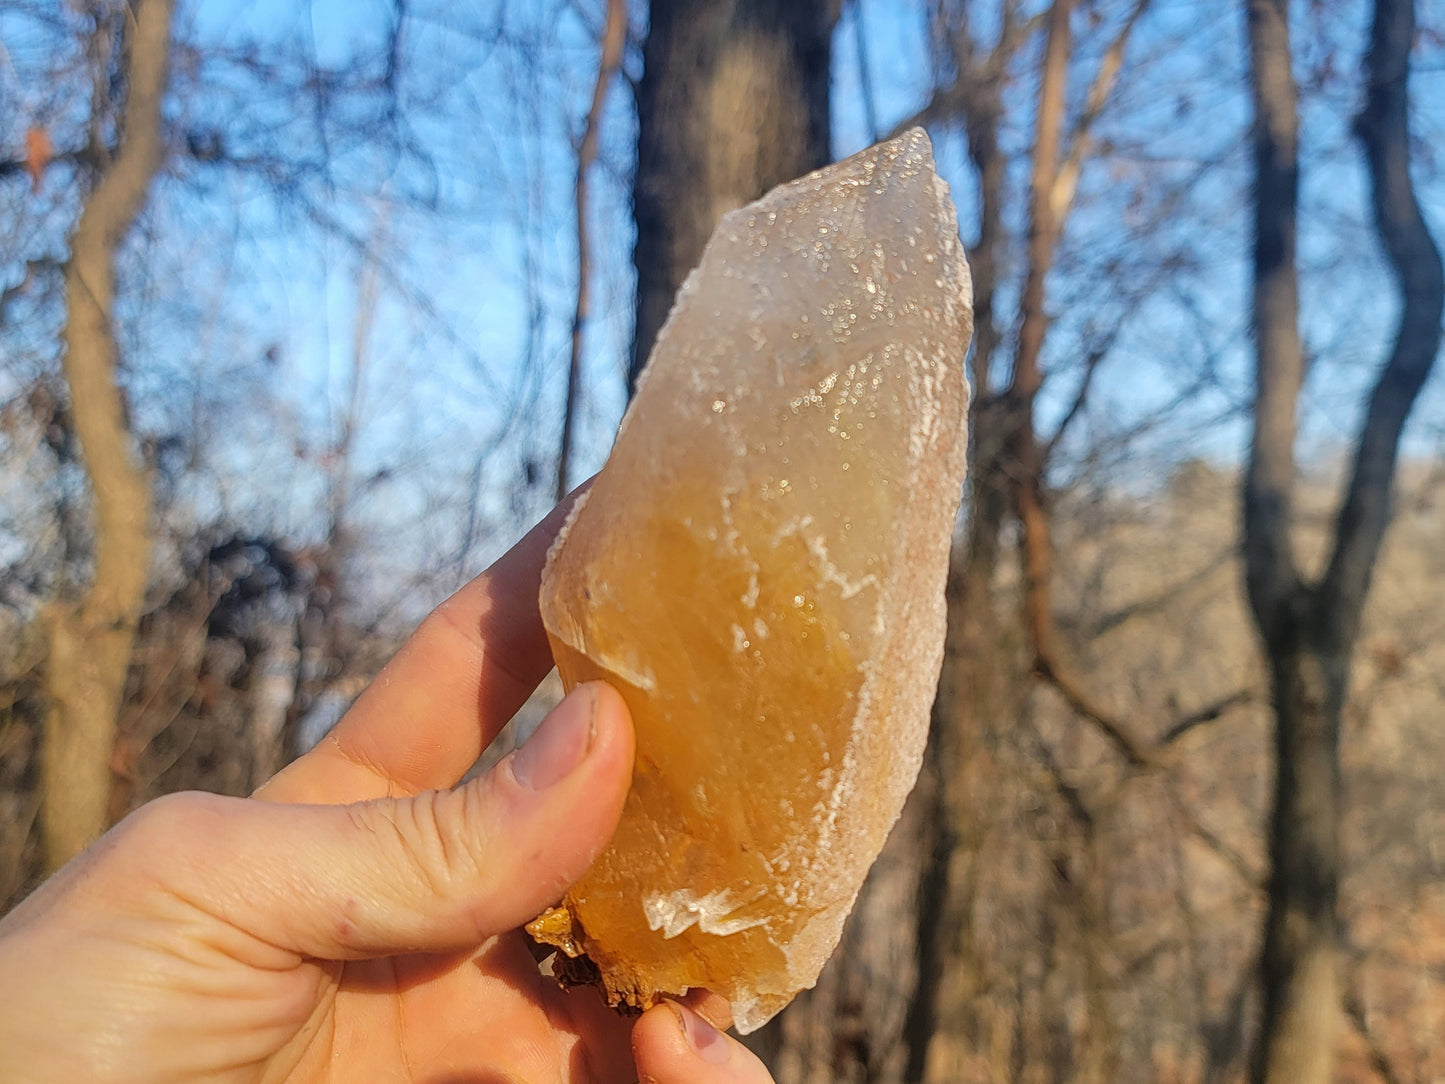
x=357, y=919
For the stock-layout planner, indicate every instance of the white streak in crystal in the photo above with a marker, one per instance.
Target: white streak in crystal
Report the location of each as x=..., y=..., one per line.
x=681, y=910
x=632, y=670
x=830, y=573
x=750, y=599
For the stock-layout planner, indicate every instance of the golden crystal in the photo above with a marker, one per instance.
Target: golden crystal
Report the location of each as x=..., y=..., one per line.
x=759, y=570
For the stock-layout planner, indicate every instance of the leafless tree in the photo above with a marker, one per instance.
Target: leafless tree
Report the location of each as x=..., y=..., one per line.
x=1309, y=628
x=91, y=637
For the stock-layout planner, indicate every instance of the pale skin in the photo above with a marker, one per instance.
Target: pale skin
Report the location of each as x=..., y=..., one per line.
x=357, y=919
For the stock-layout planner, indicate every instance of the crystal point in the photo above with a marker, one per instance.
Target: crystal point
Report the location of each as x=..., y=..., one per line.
x=759, y=570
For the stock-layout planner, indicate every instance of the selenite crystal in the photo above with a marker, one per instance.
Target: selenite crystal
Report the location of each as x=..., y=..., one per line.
x=759, y=570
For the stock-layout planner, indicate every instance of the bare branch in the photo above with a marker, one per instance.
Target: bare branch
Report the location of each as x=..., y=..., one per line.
x=1081, y=396
x=614, y=37
x=1383, y=127
x=942, y=106
x=1355, y=1010
x=1211, y=839
x=1135, y=750
x=1043, y=230
x=1066, y=182
x=1209, y=713
x=1160, y=600
x=1024, y=447
x=1071, y=795
x=947, y=102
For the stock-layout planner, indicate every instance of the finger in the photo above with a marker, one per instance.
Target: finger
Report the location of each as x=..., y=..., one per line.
x=432, y=710
x=438, y=872
x=713, y=1008
x=674, y=1045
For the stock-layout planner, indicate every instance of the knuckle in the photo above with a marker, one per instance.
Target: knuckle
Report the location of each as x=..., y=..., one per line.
x=422, y=836
x=149, y=843
x=169, y=819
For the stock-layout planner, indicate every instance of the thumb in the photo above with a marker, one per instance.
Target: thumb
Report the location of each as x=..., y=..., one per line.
x=441, y=871
x=672, y=1044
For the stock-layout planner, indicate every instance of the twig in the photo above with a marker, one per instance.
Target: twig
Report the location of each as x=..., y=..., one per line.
x=1158, y=602
x=1071, y=795
x=1207, y=714
x=1210, y=839
x=1135, y=750
x=1355, y=1010
x=1091, y=366
x=946, y=102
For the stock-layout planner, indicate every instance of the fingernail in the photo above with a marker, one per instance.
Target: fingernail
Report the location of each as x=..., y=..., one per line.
x=711, y=1045
x=560, y=743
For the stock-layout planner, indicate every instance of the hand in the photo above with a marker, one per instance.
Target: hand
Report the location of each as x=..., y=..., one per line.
x=371, y=933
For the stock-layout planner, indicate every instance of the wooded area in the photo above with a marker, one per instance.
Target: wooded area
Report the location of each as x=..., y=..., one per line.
x=304, y=316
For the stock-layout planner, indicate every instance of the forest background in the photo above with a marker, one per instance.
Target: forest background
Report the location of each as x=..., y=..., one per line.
x=306, y=311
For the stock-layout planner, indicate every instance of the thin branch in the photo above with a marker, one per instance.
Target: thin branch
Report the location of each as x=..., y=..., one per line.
x=946, y=103
x=943, y=105
x=33, y=268
x=1134, y=749
x=1066, y=181
x=1081, y=396
x=1156, y=603
x=1071, y=795
x=1211, y=839
x=614, y=37
x=1355, y=1010
x=1209, y=713
x=14, y=167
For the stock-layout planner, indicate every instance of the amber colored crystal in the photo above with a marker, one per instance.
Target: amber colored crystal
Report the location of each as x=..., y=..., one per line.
x=759, y=570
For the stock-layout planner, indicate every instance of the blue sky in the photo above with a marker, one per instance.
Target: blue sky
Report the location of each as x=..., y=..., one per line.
x=477, y=243
x=1183, y=87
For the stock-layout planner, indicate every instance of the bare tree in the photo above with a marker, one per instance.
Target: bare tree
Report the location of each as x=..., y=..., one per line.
x=981, y=679
x=1309, y=628
x=146, y=438
x=90, y=639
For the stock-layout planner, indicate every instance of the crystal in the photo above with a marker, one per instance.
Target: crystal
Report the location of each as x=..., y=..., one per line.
x=759, y=570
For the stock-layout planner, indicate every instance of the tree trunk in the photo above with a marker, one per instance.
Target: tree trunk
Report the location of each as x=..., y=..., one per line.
x=978, y=689
x=948, y=1020
x=1309, y=630
x=90, y=640
x=1300, y=958
x=733, y=101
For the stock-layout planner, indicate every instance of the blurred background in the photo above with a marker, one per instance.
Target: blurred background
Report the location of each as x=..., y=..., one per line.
x=308, y=310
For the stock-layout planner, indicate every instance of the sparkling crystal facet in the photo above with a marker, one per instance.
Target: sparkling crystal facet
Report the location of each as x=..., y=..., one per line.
x=759, y=570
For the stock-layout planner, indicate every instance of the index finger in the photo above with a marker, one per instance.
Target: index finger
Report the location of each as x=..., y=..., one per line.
x=432, y=710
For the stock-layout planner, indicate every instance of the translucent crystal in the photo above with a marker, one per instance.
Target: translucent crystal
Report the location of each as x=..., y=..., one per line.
x=759, y=570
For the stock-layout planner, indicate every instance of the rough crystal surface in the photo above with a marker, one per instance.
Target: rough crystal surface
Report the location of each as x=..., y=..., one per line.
x=759, y=569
